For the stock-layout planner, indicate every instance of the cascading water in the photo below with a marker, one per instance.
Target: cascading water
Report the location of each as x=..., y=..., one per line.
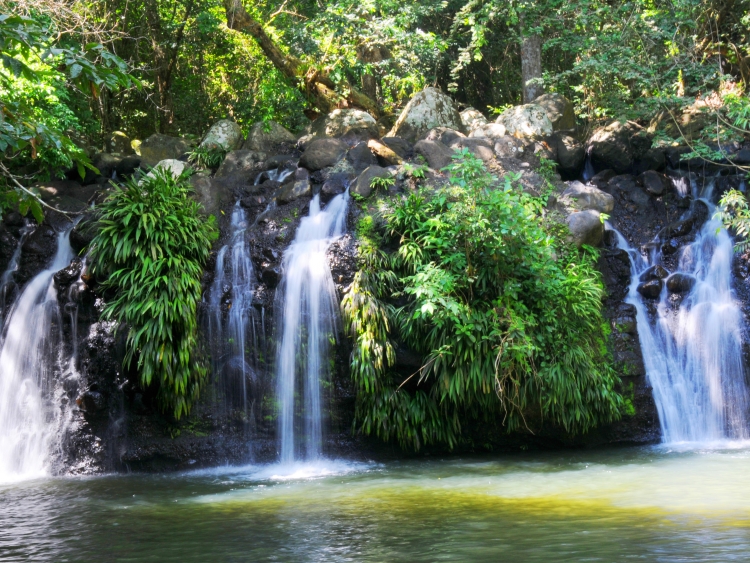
x=308, y=304
x=29, y=352
x=693, y=352
x=6, y=280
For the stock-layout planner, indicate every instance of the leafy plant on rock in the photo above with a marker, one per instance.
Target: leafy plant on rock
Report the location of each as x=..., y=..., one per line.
x=207, y=157
x=150, y=250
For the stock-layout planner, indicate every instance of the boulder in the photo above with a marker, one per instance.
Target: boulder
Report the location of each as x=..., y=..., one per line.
x=362, y=186
x=650, y=289
x=384, y=153
x=160, y=147
x=689, y=123
x=278, y=161
x=559, y=111
x=479, y=147
x=295, y=189
x=653, y=159
x=528, y=120
x=678, y=228
x=105, y=163
x=618, y=145
x=240, y=162
x=508, y=147
x=265, y=134
x=322, y=153
x=361, y=157
x=436, y=154
x=653, y=182
x=174, y=167
x=211, y=194
x=224, y=134
x=601, y=179
x=570, y=153
x=584, y=197
x=428, y=109
x=341, y=122
x=400, y=146
x=680, y=283
x=120, y=143
x=472, y=118
x=491, y=130
x=128, y=165
x=655, y=272
x=445, y=135
x=741, y=157
x=585, y=227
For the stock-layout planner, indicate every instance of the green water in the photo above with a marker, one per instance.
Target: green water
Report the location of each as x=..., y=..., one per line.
x=617, y=505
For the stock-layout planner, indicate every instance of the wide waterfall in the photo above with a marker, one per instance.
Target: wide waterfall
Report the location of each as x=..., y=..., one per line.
x=693, y=352
x=308, y=304
x=29, y=352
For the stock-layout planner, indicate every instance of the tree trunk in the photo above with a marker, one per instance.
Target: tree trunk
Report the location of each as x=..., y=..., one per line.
x=317, y=86
x=531, y=67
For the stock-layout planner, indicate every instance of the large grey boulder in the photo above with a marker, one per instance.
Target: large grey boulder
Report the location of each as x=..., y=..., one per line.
x=479, y=147
x=385, y=153
x=472, y=118
x=322, y=153
x=618, y=145
x=224, y=134
x=490, y=130
x=582, y=197
x=105, y=163
x=586, y=227
x=265, y=134
x=428, y=109
x=174, y=167
x=160, y=147
x=559, y=111
x=298, y=187
x=445, y=135
x=435, y=153
x=508, y=147
x=361, y=157
x=363, y=183
x=241, y=162
x=528, y=120
x=342, y=122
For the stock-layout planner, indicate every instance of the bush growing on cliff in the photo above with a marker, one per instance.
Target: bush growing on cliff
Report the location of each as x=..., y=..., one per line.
x=505, y=315
x=151, y=249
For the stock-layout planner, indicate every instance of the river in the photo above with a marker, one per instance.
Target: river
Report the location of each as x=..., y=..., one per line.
x=660, y=504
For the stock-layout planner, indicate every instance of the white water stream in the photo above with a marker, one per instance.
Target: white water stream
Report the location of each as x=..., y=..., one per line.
x=28, y=353
x=693, y=352
x=307, y=305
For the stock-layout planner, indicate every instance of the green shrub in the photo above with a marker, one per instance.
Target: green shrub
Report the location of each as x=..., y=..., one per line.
x=207, y=157
x=505, y=314
x=151, y=247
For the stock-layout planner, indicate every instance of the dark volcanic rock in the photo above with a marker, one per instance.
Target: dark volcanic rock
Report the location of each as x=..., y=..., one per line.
x=656, y=272
x=680, y=283
x=322, y=153
x=651, y=289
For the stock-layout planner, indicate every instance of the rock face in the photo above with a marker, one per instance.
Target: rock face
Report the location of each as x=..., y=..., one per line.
x=586, y=227
x=343, y=122
x=162, y=147
x=428, y=109
x=618, y=145
x=472, y=118
x=224, y=134
x=559, y=111
x=529, y=120
x=266, y=134
x=363, y=184
x=322, y=153
x=436, y=154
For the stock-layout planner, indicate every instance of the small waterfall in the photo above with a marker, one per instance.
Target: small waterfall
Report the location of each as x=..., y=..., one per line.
x=29, y=353
x=6, y=280
x=693, y=352
x=307, y=306
x=588, y=168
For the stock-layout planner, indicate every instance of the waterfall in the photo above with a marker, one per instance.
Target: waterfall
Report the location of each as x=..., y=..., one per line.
x=6, y=280
x=693, y=352
x=308, y=305
x=588, y=168
x=29, y=352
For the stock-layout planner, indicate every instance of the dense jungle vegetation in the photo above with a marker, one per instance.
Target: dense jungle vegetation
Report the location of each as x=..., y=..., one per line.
x=467, y=260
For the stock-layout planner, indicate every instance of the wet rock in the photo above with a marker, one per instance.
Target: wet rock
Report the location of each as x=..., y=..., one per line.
x=588, y=197
x=271, y=253
x=160, y=147
x=479, y=147
x=678, y=228
x=680, y=283
x=224, y=134
x=362, y=186
x=266, y=134
x=508, y=147
x=105, y=163
x=559, y=110
x=618, y=145
x=650, y=289
x=279, y=161
x=386, y=155
x=586, y=227
x=69, y=274
x=653, y=182
x=91, y=402
x=241, y=162
x=361, y=157
x=400, y=146
x=428, y=109
x=528, y=120
x=295, y=189
x=271, y=276
x=322, y=153
x=626, y=324
x=670, y=247
x=343, y=122
x=335, y=185
x=436, y=154
x=601, y=179
x=490, y=130
x=655, y=272
x=472, y=118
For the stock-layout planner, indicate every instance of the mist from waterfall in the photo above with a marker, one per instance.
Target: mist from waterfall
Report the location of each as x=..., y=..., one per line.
x=29, y=352
x=307, y=306
x=693, y=353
